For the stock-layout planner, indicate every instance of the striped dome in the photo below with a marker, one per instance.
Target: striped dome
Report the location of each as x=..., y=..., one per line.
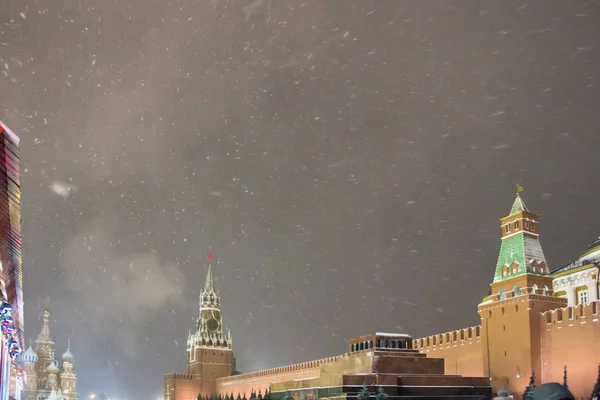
x=29, y=356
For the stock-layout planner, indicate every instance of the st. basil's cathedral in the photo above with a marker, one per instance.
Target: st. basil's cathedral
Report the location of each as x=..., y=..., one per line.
x=46, y=379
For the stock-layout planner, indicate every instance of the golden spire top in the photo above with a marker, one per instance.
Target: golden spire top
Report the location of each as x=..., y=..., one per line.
x=68, y=343
x=519, y=189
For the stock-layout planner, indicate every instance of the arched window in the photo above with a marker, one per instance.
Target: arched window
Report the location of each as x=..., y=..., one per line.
x=545, y=290
x=517, y=291
x=502, y=295
x=534, y=289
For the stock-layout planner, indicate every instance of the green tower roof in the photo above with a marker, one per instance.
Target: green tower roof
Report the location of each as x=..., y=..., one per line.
x=521, y=248
x=518, y=206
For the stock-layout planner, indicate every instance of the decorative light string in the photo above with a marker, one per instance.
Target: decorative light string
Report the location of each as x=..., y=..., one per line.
x=8, y=328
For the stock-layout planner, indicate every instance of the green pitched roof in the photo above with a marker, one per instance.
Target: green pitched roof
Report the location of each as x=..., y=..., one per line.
x=521, y=248
x=518, y=206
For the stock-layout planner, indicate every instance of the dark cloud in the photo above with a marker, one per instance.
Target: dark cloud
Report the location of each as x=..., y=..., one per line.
x=346, y=162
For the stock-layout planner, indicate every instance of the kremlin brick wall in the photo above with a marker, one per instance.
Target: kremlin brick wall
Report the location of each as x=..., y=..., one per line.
x=261, y=380
x=462, y=350
x=182, y=386
x=571, y=337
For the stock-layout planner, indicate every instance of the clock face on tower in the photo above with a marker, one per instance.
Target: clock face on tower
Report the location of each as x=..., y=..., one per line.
x=212, y=325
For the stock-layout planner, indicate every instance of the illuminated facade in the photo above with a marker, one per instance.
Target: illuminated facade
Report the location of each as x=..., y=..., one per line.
x=578, y=282
x=11, y=276
x=46, y=379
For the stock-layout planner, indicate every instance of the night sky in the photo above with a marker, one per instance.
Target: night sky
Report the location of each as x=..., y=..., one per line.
x=346, y=162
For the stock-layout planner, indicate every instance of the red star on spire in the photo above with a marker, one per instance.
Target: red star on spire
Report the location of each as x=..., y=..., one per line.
x=209, y=257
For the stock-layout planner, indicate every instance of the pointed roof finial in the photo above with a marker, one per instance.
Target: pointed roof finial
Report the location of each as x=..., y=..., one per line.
x=519, y=189
x=518, y=205
x=209, y=284
x=44, y=335
x=68, y=356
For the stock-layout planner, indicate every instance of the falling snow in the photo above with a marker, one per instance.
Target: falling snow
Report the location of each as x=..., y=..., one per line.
x=344, y=160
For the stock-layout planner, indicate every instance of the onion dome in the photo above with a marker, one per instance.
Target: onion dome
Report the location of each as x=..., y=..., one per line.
x=68, y=356
x=29, y=356
x=53, y=368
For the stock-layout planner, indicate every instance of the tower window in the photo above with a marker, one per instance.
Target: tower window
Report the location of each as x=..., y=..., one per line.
x=507, y=228
x=516, y=225
x=517, y=291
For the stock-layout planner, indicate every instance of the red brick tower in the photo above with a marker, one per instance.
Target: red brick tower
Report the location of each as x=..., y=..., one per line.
x=209, y=347
x=510, y=316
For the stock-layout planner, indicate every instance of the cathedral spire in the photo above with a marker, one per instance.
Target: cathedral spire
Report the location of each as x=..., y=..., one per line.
x=44, y=335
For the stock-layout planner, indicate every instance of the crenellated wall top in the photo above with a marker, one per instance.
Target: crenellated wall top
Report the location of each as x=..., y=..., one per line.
x=282, y=370
x=188, y=377
x=582, y=313
x=448, y=338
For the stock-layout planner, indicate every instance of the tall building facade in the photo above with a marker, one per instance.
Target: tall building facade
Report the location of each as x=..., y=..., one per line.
x=11, y=275
x=46, y=379
x=209, y=349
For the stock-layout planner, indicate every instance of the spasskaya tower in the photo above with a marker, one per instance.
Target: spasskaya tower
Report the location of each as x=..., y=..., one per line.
x=209, y=347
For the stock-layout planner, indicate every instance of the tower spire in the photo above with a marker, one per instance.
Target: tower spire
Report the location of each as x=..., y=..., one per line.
x=44, y=335
x=518, y=204
x=521, y=252
x=209, y=296
x=209, y=284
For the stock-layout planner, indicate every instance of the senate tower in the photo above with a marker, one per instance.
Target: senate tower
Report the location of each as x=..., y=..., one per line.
x=209, y=354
